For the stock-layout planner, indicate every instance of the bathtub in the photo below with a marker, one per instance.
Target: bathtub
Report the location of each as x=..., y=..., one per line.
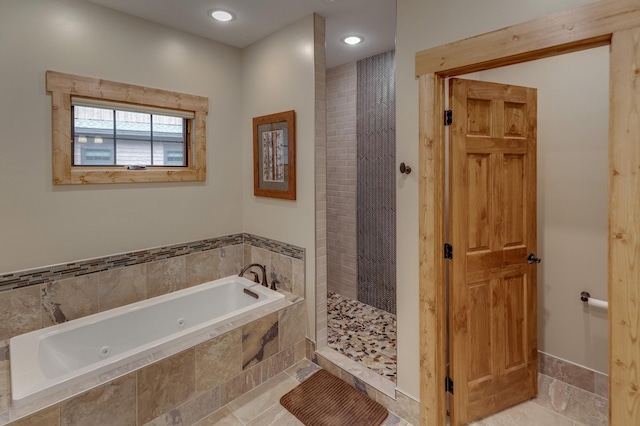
x=45, y=361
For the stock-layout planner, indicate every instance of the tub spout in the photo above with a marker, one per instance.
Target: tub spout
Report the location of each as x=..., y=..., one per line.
x=263, y=268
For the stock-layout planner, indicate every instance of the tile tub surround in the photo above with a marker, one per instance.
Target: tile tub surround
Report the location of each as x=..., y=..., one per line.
x=48, y=274
x=187, y=384
x=286, y=271
x=59, y=272
x=46, y=296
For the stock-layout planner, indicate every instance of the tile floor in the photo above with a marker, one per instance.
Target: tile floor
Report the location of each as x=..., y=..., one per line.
x=526, y=414
x=261, y=407
x=363, y=333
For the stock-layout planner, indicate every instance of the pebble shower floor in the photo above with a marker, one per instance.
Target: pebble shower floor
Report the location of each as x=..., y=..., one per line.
x=363, y=333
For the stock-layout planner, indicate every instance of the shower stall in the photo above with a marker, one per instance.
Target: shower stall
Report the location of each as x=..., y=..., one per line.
x=361, y=219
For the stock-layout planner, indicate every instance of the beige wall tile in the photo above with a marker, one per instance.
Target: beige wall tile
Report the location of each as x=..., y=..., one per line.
x=287, y=270
x=202, y=267
x=259, y=340
x=5, y=380
x=192, y=411
x=358, y=384
x=165, y=385
x=567, y=372
x=218, y=360
x=310, y=350
x=246, y=254
x=282, y=271
x=113, y=404
x=291, y=325
x=601, y=385
x=231, y=260
x=320, y=161
x=341, y=179
x=243, y=382
x=297, y=277
x=21, y=311
x=299, y=350
x=47, y=417
x=69, y=299
x=329, y=366
x=121, y=286
x=572, y=402
x=261, y=256
x=166, y=276
x=278, y=363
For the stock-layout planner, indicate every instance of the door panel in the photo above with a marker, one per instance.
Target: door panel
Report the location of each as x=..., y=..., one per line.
x=478, y=196
x=493, y=329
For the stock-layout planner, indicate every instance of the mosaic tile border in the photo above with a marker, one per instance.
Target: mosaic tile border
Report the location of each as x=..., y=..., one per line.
x=52, y=273
x=274, y=246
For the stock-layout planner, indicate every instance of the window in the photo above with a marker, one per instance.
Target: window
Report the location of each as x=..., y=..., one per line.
x=172, y=158
x=135, y=138
x=113, y=126
x=96, y=157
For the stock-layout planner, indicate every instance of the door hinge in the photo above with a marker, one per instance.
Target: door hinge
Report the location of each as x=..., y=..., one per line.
x=448, y=385
x=448, y=117
x=448, y=251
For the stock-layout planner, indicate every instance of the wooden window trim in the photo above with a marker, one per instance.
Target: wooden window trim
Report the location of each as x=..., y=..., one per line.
x=63, y=86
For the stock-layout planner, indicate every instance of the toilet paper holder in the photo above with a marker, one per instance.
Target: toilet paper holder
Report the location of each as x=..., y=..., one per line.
x=594, y=303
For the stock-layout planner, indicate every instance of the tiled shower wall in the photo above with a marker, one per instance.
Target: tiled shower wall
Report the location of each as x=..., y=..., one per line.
x=376, y=181
x=361, y=180
x=46, y=296
x=341, y=180
x=320, y=174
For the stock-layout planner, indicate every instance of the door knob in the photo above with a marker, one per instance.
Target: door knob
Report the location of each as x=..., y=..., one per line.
x=533, y=259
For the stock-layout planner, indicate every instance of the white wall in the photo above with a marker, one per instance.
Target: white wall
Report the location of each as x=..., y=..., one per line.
x=41, y=224
x=278, y=75
x=422, y=24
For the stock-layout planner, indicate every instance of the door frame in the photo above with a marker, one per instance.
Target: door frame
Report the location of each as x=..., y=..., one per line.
x=605, y=22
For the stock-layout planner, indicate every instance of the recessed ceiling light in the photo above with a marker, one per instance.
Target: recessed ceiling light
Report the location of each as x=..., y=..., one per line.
x=352, y=40
x=221, y=15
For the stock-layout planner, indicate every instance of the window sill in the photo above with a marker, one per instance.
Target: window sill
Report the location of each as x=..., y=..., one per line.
x=87, y=175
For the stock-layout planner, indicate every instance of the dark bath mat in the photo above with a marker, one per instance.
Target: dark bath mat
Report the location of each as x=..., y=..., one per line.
x=325, y=400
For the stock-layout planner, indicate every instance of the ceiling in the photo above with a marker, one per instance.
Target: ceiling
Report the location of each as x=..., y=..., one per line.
x=375, y=20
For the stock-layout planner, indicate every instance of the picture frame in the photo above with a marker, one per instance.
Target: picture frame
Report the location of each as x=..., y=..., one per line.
x=274, y=155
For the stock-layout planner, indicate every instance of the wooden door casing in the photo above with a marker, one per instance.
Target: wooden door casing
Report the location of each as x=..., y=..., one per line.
x=493, y=296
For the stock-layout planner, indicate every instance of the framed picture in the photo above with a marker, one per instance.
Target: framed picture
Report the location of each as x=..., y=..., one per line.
x=274, y=155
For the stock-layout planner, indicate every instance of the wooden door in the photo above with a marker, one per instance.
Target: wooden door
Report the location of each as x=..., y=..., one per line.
x=492, y=293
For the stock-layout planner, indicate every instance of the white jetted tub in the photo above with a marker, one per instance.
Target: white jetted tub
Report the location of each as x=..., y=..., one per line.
x=48, y=360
